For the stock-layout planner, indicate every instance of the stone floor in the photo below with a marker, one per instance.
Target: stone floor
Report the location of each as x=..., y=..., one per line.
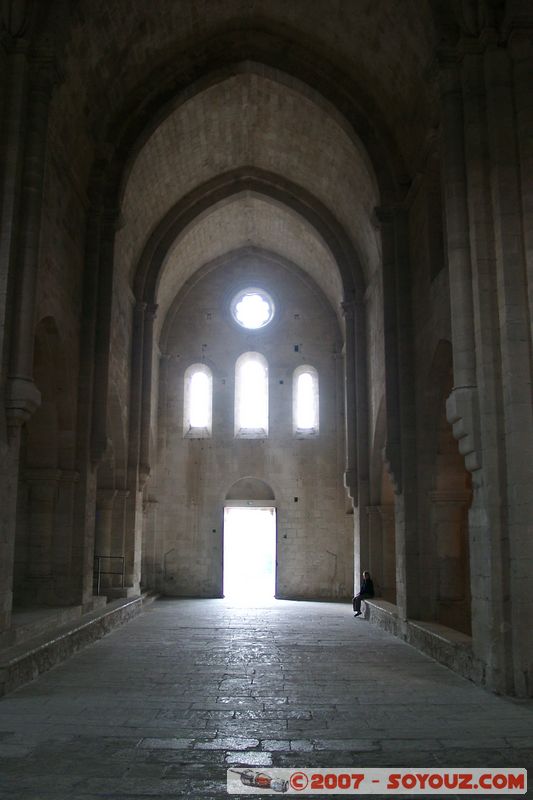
x=162, y=706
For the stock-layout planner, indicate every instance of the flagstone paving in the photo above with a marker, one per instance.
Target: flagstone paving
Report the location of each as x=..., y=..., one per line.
x=164, y=705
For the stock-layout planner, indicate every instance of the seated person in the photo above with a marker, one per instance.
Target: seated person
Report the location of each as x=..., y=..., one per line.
x=366, y=590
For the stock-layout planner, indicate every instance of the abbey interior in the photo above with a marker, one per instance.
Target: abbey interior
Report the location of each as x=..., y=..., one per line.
x=267, y=254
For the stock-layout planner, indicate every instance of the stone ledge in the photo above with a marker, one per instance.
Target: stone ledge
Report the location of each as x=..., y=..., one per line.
x=447, y=646
x=383, y=614
x=24, y=662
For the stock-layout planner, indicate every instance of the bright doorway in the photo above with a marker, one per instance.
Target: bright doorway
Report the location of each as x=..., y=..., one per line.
x=249, y=553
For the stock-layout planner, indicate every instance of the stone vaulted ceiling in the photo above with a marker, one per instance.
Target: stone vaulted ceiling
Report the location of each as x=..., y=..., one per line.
x=183, y=91
x=249, y=119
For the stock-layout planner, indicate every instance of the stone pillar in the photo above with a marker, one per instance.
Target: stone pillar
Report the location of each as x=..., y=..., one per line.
x=400, y=450
x=462, y=409
x=103, y=535
x=146, y=410
x=82, y=567
x=452, y=585
x=388, y=549
x=350, y=473
x=479, y=430
x=521, y=51
x=149, y=542
x=104, y=521
x=375, y=557
x=457, y=223
x=515, y=346
x=118, y=543
x=14, y=66
x=108, y=223
x=63, y=542
x=21, y=385
x=133, y=525
x=362, y=446
x=42, y=500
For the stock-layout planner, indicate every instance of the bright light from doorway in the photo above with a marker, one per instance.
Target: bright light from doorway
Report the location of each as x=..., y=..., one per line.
x=249, y=553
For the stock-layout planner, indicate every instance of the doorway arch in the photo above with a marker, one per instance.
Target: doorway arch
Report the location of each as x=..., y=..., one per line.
x=249, y=537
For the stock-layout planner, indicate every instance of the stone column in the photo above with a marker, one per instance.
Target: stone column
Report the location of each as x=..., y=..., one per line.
x=515, y=346
x=375, y=556
x=350, y=474
x=82, y=567
x=521, y=52
x=146, y=410
x=21, y=386
x=480, y=430
x=149, y=543
x=388, y=548
x=118, y=528
x=14, y=66
x=452, y=570
x=103, y=534
x=133, y=525
x=400, y=450
x=42, y=499
x=104, y=521
x=462, y=408
x=63, y=542
x=108, y=222
x=457, y=222
x=361, y=436
x=392, y=456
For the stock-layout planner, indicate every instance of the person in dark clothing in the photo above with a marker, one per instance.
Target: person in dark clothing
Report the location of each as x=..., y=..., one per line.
x=366, y=590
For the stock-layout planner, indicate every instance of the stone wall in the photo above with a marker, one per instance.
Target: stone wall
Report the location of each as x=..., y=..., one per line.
x=193, y=475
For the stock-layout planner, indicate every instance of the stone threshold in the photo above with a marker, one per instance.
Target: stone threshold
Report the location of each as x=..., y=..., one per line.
x=447, y=646
x=27, y=660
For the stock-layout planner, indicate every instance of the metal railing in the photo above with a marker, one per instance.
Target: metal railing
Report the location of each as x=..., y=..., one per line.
x=98, y=571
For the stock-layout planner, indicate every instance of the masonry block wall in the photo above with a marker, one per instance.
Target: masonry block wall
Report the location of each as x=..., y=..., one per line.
x=314, y=534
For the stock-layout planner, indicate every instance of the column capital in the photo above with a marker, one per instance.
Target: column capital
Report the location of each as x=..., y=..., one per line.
x=348, y=308
x=22, y=400
x=151, y=310
x=14, y=44
x=45, y=74
x=350, y=483
x=384, y=215
x=16, y=21
x=105, y=497
x=462, y=412
x=112, y=218
x=520, y=42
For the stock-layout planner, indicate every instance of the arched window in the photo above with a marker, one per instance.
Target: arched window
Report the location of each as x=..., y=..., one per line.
x=198, y=402
x=251, y=396
x=305, y=416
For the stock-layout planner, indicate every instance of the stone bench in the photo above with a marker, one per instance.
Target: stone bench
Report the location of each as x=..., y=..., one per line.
x=26, y=660
x=446, y=645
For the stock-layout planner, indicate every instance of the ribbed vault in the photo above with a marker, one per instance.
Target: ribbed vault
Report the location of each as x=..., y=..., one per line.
x=249, y=119
x=248, y=220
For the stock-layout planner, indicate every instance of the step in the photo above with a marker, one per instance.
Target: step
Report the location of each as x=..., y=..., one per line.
x=29, y=623
x=26, y=660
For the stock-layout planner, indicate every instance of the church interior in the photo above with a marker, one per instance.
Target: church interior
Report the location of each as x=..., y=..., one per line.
x=266, y=264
